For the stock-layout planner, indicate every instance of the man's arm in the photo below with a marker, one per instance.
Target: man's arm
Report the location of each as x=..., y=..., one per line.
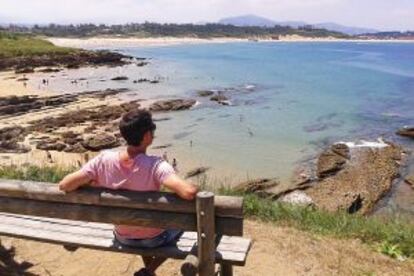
x=73, y=181
x=182, y=188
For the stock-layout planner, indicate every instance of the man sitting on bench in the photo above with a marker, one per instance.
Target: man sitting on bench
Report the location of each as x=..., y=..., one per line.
x=132, y=169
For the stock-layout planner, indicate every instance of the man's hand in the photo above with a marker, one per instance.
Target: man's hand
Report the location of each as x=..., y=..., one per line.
x=182, y=188
x=73, y=181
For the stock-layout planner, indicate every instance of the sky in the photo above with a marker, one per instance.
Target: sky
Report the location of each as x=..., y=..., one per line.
x=379, y=14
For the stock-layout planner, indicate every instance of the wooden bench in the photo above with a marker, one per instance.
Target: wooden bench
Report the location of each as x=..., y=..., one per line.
x=85, y=218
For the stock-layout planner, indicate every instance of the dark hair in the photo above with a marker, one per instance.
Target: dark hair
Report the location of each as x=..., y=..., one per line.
x=134, y=125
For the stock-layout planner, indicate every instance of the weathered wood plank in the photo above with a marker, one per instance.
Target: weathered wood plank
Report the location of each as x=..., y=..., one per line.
x=206, y=233
x=114, y=215
x=225, y=206
x=64, y=232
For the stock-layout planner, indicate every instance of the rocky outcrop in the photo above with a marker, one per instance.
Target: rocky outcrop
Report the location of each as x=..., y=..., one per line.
x=15, y=105
x=330, y=161
x=100, y=142
x=268, y=187
x=100, y=116
x=172, y=105
x=205, y=93
x=73, y=60
x=120, y=78
x=298, y=198
x=219, y=98
x=11, y=138
x=362, y=180
x=406, y=131
x=196, y=171
x=258, y=186
x=410, y=180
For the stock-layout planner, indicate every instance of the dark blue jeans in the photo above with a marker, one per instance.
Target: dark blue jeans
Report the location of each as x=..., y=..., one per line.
x=165, y=238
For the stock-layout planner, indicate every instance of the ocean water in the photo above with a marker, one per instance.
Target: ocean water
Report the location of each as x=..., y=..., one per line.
x=288, y=100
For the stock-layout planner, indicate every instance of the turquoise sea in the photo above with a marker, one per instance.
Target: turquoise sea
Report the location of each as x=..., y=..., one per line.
x=289, y=100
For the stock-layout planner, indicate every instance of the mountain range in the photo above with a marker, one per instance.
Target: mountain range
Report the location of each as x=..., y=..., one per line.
x=254, y=20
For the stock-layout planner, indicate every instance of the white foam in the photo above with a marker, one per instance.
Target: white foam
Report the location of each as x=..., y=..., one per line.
x=197, y=103
x=366, y=144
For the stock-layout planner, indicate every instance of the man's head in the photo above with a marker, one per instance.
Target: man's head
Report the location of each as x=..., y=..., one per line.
x=137, y=128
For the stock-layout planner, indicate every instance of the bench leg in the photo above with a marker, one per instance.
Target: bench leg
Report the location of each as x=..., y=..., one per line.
x=226, y=270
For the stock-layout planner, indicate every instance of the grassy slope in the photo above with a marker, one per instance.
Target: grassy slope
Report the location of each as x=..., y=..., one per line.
x=12, y=45
x=392, y=237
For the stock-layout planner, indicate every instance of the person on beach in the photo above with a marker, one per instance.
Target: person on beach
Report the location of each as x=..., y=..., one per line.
x=132, y=169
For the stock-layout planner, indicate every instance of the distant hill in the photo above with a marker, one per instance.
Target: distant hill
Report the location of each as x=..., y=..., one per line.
x=345, y=29
x=248, y=20
x=254, y=20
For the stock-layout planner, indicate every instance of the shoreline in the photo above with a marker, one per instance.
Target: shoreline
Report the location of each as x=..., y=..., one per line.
x=170, y=41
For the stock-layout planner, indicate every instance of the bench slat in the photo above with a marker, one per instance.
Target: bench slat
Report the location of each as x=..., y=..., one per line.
x=231, y=250
x=116, y=215
x=225, y=206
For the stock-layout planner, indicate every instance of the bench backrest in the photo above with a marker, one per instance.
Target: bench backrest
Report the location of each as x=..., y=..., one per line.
x=151, y=209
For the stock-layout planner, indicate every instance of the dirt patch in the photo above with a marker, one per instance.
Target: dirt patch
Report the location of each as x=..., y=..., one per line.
x=275, y=251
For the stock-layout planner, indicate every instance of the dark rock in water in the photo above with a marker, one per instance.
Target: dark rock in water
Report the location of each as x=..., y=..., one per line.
x=410, y=180
x=219, y=98
x=181, y=135
x=329, y=163
x=142, y=63
x=24, y=70
x=162, y=119
x=406, y=131
x=269, y=187
x=258, y=186
x=50, y=70
x=361, y=182
x=102, y=94
x=172, y=105
x=146, y=80
x=205, y=93
x=23, y=79
x=321, y=126
x=162, y=146
x=120, y=78
x=196, y=171
x=100, y=142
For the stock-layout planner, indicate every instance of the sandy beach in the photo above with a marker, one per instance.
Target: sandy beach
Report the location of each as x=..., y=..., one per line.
x=105, y=42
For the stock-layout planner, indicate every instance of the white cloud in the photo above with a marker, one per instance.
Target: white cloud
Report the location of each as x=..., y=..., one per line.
x=370, y=13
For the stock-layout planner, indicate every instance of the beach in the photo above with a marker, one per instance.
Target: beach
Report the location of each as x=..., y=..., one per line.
x=108, y=42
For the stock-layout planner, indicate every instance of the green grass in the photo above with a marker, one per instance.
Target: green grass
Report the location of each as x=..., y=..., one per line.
x=33, y=173
x=393, y=237
x=13, y=45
